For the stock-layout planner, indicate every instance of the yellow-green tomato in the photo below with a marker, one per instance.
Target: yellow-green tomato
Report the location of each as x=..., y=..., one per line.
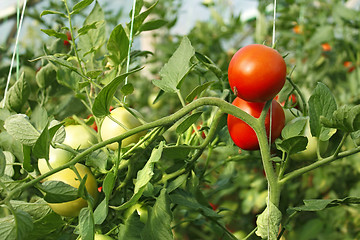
x=57, y=158
x=141, y=211
x=110, y=129
x=99, y=236
x=310, y=153
x=68, y=176
x=79, y=137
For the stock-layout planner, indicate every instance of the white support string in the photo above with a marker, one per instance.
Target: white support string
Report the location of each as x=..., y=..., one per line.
x=274, y=21
x=14, y=53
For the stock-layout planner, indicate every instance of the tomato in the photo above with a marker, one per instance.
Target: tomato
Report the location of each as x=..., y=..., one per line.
x=310, y=153
x=66, y=42
x=297, y=29
x=141, y=211
x=349, y=66
x=77, y=137
x=326, y=47
x=257, y=73
x=110, y=129
x=68, y=176
x=243, y=135
x=292, y=101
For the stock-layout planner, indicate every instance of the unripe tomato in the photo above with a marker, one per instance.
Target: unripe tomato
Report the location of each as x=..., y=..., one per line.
x=243, y=135
x=310, y=153
x=77, y=137
x=110, y=129
x=68, y=176
x=257, y=73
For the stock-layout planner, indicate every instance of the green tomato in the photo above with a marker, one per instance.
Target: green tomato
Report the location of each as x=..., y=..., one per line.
x=77, y=137
x=310, y=153
x=110, y=129
x=68, y=176
x=141, y=211
x=99, y=236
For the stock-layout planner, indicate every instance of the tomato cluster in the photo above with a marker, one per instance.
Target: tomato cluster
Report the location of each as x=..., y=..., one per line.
x=256, y=75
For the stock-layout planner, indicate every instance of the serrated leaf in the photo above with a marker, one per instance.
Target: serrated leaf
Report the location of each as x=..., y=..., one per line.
x=18, y=94
x=20, y=128
x=94, y=74
x=24, y=224
x=46, y=75
x=140, y=18
x=346, y=118
x=58, y=192
x=152, y=25
x=294, y=128
x=41, y=147
x=268, y=222
x=176, y=68
x=86, y=28
x=104, y=98
x=86, y=224
x=321, y=103
x=184, y=125
x=158, y=226
x=68, y=77
x=81, y=5
x=118, y=45
x=198, y=90
x=47, y=12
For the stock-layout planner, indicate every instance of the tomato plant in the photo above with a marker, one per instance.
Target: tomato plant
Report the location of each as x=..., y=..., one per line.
x=243, y=135
x=68, y=176
x=126, y=121
x=257, y=73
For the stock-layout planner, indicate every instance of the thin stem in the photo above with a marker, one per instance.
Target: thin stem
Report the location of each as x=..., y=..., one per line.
x=317, y=164
x=250, y=234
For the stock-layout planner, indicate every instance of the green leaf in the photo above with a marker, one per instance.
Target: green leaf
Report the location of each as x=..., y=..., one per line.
x=58, y=192
x=176, y=68
x=24, y=224
x=46, y=75
x=7, y=228
x=210, y=65
x=346, y=118
x=118, y=45
x=57, y=131
x=18, y=94
x=268, y=222
x=294, y=128
x=86, y=224
x=20, y=128
x=127, y=89
x=152, y=25
x=158, y=226
x=173, y=185
x=143, y=178
x=53, y=33
x=2, y=163
x=10, y=159
x=323, y=34
x=198, y=90
x=101, y=212
x=94, y=38
x=132, y=228
x=293, y=144
x=60, y=61
x=321, y=103
x=81, y=5
x=27, y=158
x=36, y=210
x=47, y=12
x=68, y=77
x=41, y=147
x=320, y=204
x=186, y=199
x=104, y=98
x=46, y=226
x=341, y=11
x=86, y=28
x=140, y=18
x=108, y=184
x=184, y=125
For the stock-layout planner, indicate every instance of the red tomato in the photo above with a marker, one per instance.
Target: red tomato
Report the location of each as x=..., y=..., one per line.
x=297, y=29
x=66, y=42
x=257, y=73
x=349, y=65
x=243, y=135
x=292, y=101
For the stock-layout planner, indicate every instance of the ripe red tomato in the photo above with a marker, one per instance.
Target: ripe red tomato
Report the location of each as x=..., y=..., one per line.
x=66, y=42
x=349, y=66
x=326, y=47
x=243, y=135
x=257, y=73
x=292, y=101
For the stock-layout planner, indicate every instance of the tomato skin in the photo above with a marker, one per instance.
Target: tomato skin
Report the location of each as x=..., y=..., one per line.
x=68, y=176
x=77, y=137
x=257, y=73
x=110, y=129
x=243, y=135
